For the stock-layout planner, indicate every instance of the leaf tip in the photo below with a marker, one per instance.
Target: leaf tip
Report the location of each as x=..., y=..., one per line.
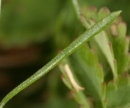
x=117, y=12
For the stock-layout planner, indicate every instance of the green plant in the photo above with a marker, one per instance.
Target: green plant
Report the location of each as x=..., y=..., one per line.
x=77, y=44
x=101, y=66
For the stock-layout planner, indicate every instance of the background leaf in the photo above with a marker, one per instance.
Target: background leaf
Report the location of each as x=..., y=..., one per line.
x=89, y=73
x=117, y=94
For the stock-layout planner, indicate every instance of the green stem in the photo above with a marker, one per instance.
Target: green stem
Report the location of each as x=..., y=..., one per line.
x=63, y=54
x=76, y=7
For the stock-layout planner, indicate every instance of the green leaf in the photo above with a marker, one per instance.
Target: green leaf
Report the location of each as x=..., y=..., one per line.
x=120, y=45
x=103, y=12
x=86, y=68
x=63, y=54
x=102, y=42
x=118, y=93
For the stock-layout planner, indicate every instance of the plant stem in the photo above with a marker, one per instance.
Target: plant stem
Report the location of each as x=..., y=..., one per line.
x=76, y=7
x=63, y=54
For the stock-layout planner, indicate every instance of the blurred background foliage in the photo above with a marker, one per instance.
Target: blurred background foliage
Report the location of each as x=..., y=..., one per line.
x=31, y=33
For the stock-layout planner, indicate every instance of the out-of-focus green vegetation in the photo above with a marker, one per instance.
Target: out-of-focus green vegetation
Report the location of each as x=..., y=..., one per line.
x=28, y=22
x=49, y=25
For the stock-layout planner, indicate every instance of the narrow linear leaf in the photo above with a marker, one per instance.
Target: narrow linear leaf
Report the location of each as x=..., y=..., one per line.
x=63, y=54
